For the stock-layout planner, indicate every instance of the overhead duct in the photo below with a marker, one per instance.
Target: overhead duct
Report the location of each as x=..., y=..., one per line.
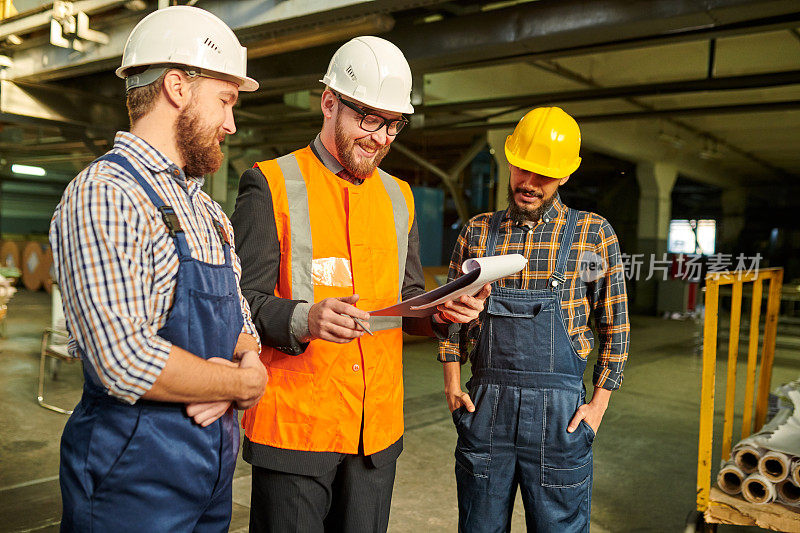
x=323, y=34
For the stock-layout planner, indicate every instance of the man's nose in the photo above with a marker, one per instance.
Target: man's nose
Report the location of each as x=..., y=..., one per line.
x=381, y=137
x=229, y=126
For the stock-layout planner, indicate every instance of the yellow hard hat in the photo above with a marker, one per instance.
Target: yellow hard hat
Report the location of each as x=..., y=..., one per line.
x=546, y=141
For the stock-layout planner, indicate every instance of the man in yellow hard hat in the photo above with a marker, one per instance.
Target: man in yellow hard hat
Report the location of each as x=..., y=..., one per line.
x=525, y=420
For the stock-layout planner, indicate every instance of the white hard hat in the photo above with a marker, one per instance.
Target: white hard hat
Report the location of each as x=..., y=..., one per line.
x=374, y=72
x=184, y=36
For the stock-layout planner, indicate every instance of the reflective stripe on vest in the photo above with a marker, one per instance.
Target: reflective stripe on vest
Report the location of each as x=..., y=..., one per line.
x=300, y=228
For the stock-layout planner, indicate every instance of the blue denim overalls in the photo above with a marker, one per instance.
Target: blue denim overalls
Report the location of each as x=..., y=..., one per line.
x=148, y=466
x=527, y=383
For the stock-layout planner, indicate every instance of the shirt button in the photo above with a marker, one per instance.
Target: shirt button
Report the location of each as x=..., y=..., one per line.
x=554, y=283
x=546, y=220
x=356, y=368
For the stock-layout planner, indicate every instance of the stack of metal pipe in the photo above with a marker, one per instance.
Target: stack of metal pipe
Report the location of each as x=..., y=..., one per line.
x=765, y=467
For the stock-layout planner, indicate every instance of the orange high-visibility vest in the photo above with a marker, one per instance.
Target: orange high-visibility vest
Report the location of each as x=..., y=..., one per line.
x=336, y=239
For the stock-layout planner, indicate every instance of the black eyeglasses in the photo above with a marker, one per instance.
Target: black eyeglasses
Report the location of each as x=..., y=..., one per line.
x=371, y=122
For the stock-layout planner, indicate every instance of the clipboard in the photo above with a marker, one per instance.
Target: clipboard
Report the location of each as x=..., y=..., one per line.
x=477, y=273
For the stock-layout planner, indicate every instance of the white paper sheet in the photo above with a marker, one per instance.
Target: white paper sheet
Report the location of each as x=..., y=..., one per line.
x=476, y=273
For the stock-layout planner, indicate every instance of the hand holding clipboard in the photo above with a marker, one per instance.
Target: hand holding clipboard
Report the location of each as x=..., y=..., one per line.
x=477, y=272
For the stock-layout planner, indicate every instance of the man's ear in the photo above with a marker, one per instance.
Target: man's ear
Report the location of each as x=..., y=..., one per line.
x=327, y=103
x=177, y=88
x=562, y=181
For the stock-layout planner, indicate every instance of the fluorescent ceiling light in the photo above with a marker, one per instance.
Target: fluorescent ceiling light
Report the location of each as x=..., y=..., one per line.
x=28, y=170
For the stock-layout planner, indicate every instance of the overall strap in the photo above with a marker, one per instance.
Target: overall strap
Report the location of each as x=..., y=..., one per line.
x=558, y=276
x=223, y=239
x=494, y=231
x=168, y=214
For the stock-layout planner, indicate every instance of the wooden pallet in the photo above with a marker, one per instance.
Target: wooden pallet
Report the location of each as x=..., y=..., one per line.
x=726, y=509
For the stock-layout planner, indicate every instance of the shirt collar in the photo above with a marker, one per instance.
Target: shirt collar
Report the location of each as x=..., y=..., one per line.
x=555, y=211
x=330, y=162
x=152, y=158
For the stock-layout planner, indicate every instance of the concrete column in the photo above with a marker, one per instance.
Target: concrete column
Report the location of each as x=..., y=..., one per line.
x=734, y=204
x=656, y=180
x=497, y=141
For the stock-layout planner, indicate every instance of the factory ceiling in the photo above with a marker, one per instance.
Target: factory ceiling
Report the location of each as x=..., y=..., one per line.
x=711, y=86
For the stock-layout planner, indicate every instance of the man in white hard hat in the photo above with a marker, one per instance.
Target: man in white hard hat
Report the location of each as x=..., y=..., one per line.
x=325, y=235
x=149, y=281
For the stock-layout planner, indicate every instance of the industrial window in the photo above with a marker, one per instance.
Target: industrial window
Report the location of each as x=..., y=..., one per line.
x=692, y=236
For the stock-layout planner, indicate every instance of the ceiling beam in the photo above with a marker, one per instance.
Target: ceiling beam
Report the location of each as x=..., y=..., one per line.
x=43, y=104
x=25, y=23
x=258, y=23
x=728, y=83
x=557, y=68
x=545, y=30
x=789, y=105
x=647, y=114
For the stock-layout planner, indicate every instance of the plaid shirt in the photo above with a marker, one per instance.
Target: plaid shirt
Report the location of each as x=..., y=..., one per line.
x=117, y=266
x=606, y=296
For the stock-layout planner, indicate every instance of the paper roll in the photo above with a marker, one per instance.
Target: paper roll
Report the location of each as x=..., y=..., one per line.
x=31, y=265
x=746, y=457
x=796, y=472
x=9, y=254
x=730, y=479
x=758, y=489
x=788, y=492
x=775, y=466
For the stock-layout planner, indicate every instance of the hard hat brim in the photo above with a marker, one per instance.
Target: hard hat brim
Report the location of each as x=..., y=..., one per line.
x=406, y=110
x=248, y=85
x=245, y=84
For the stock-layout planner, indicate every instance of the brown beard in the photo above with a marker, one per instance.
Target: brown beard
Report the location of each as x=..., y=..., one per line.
x=197, y=144
x=520, y=215
x=363, y=168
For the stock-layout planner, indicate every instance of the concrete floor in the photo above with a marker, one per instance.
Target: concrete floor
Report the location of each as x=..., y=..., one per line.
x=645, y=452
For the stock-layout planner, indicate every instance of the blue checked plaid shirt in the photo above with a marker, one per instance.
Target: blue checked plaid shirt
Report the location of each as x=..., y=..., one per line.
x=605, y=297
x=117, y=266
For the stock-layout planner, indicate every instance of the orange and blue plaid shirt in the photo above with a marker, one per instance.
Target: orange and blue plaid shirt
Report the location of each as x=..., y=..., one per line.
x=604, y=297
x=117, y=266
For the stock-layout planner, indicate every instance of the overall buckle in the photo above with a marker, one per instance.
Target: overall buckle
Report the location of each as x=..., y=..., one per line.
x=556, y=279
x=223, y=237
x=170, y=219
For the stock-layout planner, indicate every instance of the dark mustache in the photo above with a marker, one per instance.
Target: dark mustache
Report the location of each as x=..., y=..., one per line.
x=528, y=191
